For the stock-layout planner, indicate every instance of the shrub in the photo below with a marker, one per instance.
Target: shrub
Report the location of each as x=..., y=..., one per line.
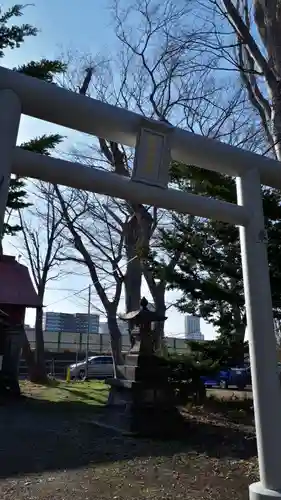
x=184, y=373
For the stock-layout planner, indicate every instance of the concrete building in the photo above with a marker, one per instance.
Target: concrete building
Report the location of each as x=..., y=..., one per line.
x=198, y=336
x=58, y=321
x=82, y=323
x=192, y=328
x=70, y=323
x=123, y=326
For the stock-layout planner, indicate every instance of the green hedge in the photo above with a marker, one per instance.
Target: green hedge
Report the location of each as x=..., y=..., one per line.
x=184, y=374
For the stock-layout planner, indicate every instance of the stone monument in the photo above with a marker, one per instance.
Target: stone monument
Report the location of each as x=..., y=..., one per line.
x=16, y=294
x=141, y=398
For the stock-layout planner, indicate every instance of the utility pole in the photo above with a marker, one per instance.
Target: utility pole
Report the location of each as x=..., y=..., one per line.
x=88, y=330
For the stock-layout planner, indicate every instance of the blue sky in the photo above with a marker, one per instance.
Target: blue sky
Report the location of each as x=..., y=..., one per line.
x=83, y=26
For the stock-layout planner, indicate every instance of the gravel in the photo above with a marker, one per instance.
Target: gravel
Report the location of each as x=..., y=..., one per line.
x=54, y=455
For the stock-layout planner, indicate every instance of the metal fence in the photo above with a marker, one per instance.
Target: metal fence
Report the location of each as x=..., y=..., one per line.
x=55, y=367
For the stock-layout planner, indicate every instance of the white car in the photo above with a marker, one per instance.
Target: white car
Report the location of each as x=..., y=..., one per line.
x=100, y=367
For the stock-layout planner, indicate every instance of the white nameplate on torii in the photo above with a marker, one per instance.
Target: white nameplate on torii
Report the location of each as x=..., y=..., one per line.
x=153, y=154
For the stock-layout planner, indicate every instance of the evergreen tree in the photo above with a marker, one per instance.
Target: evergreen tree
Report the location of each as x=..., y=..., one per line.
x=11, y=37
x=209, y=270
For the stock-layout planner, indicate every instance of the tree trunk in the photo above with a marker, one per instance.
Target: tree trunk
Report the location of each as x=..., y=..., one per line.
x=240, y=329
x=276, y=119
x=28, y=356
x=116, y=340
x=133, y=275
x=239, y=323
x=158, y=294
x=133, y=285
x=40, y=374
x=134, y=269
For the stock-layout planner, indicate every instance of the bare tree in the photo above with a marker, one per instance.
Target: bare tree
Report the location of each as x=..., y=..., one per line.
x=95, y=240
x=246, y=38
x=167, y=76
x=162, y=73
x=42, y=244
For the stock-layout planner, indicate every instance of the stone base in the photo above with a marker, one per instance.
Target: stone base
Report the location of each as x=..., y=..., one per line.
x=141, y=399
x=259, y=492
x=9, y=387
x=134, y=408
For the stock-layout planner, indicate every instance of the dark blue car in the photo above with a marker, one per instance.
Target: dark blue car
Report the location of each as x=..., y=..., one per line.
x=239, y=377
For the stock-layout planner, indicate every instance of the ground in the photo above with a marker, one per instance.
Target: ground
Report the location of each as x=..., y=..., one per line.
x=48, y=451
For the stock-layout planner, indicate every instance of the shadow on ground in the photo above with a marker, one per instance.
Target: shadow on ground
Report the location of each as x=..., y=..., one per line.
x=37, y=436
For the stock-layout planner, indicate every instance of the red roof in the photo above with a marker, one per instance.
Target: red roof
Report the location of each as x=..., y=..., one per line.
x=15, y=284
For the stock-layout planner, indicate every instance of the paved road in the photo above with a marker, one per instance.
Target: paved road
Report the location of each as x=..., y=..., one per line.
x=228, y=393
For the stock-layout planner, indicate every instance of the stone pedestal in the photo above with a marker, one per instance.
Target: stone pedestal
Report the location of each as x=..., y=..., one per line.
x=141, y=399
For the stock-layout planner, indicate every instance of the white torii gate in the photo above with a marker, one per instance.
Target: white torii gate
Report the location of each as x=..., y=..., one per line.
x=155, y=142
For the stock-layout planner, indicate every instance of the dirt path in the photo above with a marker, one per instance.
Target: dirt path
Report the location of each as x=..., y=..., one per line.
x=46, y=455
